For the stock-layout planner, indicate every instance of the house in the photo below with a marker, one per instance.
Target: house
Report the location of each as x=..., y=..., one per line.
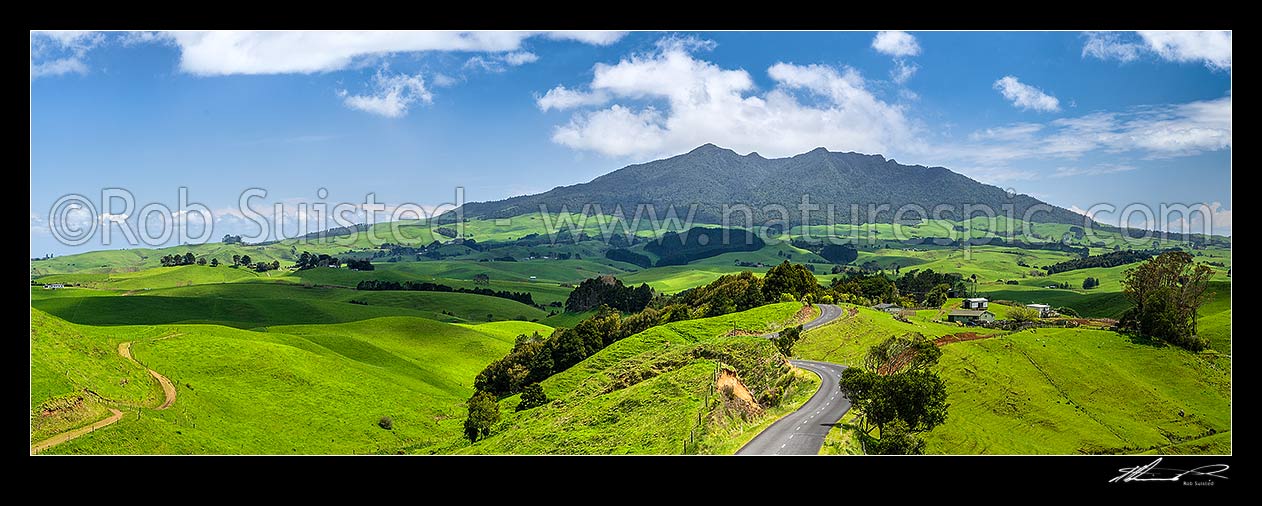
x=976, y=303
x=1043, y=309
x=533, y=278
x=887, y=307
x=54, y=286
x=970, y=316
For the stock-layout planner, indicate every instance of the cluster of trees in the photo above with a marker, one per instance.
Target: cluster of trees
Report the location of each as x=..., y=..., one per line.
x=1111, y=259
x=481, y=279
x=309, y=261
x=359, y=265
x=239, y=260
x=897, y=394
x=608, y=291
x=185, y=259
x=628, y=256
x=425, y=286
x=922, y=283
x=1167, y=291
x=535, y=358
x=1090, y=283
x=232, y=239
x=701, y=242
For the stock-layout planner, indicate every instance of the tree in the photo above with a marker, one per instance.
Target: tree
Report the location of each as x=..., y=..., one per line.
x=484, y=412
x=201, y=261
x=236, y=260
x=937, y=296
x=189, y=259
x=214, y=262
x=481, y=279
x=1090, y=283
x=1167, y=292
x=532, y=396
x=897, y=394
x=787, y=338
x=245, y=260
x=275, y=264
x=788, y=278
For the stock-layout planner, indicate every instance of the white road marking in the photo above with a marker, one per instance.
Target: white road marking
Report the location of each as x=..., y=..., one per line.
x=791, y=436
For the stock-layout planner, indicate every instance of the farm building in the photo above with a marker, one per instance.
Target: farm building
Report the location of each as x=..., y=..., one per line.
x=976, y=303
x=970, y=316
x=1043, y=309
x=54, y=286
x=887, y=307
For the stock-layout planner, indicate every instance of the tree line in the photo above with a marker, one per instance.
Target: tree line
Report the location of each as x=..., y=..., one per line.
x=426, y=286
x=1111, y=259
x=608, y=291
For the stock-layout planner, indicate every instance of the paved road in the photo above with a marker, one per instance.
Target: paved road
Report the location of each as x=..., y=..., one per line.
x=802, y=432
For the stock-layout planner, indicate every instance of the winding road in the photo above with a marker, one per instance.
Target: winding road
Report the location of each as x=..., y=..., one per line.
x=802, y=432
x=168, y=394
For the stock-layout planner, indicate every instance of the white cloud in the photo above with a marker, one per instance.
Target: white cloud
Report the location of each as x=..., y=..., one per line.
x=56, y=53
x=498, y=63
x=1211, y=47
x=443, y=80
x=1092, y=171
x=1159, y=131
x=1024, y=96
x=593, y=37
x=520, y=58
x=562, y=98
x=669, y=101
x=304, y=52
x=903, y=71
x=896, y=43
x=391, y=95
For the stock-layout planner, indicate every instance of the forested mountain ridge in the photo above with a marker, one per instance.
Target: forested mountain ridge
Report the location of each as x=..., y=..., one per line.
x=711, y=177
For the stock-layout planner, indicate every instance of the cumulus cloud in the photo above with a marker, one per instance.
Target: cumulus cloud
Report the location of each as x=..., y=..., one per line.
x=304, y=52
x=1211, y=48
x=896, y=43
x=390, y=94
x=56, y=53
x=1026, y=97
x=562, y=98
x=669, y=101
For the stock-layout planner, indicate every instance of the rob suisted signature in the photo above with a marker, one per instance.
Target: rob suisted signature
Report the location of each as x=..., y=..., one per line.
x=1151, y=472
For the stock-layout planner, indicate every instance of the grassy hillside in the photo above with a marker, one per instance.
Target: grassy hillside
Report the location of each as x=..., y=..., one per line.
x=302, y=389
x=160, y=277
x=847, y=340
x=76, y=368
x=644, y=394
x=251, y=305
x=1068, y=391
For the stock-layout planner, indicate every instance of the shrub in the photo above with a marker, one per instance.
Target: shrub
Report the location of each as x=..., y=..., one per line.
x=787, y=297
x=532, y=396
x=386, y=423
x=1023, y=314
x=827, y=299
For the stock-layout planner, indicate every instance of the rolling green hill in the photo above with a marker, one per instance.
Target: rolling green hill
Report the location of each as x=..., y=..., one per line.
x=643, y=394
x=251, y=305
x=299, y=389
x=1068, y=391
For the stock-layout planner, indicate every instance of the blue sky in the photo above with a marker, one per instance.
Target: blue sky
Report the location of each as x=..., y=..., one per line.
x=1076, y=119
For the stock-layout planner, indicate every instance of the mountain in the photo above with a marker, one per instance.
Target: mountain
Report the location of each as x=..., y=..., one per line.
x=710, y=177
